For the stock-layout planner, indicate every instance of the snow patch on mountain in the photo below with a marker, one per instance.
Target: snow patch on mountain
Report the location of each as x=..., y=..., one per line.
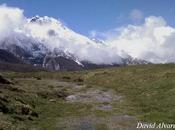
x=47, y=34
x=32, y=39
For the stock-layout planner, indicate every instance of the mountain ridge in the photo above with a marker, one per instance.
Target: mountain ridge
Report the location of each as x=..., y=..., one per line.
x=59, y=48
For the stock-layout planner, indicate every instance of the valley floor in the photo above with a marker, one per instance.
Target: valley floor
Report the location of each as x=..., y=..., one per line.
x=103, y=99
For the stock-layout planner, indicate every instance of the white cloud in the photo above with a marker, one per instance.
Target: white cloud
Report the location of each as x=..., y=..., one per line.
x=10, y=19
x=15, y=27
x=152, y=41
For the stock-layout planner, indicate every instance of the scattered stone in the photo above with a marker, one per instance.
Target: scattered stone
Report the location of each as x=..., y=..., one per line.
x=60, y=94
x=37, y=78
x=35, y=114
x=94, y=95
x=3, y=98
x=3, y=107
x=105, y=72
x=18, y=117
x=12, y=88
x=30, y=118
x=71, y=98
x=79, y=86
x=25, y=110
x=52, y=100
x=4, y=81
x=66, y=77
x=79, y=80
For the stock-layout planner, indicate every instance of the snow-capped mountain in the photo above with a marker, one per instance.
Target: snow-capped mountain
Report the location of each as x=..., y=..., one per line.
x=47, y=42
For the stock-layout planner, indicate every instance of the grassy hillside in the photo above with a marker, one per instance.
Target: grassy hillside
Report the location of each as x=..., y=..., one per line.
x=103, y=99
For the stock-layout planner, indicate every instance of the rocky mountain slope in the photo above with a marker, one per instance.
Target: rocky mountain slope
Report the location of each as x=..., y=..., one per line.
x=47, y=42
x=9, y=62
x=6, y=56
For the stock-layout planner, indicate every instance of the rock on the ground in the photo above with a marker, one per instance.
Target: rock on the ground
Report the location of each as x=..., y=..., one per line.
x=4, y=81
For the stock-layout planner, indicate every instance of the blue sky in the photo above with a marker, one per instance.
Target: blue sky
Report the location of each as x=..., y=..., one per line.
x=84, y=16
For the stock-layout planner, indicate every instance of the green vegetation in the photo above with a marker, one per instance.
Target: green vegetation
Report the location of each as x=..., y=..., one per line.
x=99, y=99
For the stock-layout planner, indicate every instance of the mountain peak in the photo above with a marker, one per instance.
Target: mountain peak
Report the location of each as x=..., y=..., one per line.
x=44, y=20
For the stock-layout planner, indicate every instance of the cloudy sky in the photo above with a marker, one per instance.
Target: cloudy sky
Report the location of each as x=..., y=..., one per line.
x=144, y=29
x=84, y=16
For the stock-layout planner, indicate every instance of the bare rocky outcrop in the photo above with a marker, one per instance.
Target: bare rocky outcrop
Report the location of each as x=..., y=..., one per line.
x=4, y=81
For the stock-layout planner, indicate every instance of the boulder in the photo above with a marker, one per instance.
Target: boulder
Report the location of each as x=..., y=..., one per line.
x=4, y=81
